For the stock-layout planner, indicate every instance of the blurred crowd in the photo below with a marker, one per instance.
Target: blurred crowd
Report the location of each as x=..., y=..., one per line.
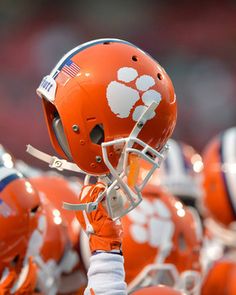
x=195, y=42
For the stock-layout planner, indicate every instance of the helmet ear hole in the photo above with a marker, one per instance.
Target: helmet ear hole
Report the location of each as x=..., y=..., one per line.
x=97, y=134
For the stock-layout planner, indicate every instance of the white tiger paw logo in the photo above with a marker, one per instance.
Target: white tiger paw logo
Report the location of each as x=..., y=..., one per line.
x=122, y=98
x=151, y=223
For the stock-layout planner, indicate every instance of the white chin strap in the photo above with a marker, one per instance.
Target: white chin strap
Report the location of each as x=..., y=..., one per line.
x=53, y=161
x=88, y=207
x=61, y=165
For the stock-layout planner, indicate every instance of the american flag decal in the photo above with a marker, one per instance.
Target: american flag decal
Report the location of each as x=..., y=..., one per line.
x=70, y=68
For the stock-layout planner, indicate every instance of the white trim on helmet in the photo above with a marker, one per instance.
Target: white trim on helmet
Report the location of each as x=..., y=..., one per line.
x=229, y=163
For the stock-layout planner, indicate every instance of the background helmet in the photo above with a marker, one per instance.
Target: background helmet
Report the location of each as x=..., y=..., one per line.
x=164, y=231
x=220, y=278
x=219, y=181
x=159, y=290
x=19, y=206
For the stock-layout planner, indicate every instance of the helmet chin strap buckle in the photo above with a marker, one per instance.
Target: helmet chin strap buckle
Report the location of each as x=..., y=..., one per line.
x=91, y=207
x=53, y=161
x=57, y=163
x=88, y=207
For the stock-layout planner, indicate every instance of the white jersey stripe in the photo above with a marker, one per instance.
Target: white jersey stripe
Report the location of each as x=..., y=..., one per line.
x=5, y=172
x=175, y=160
x=61, y=62
x=229, y=163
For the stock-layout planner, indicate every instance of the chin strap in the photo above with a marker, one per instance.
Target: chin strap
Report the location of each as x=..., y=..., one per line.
x=88, y=207
x=53, y=161
x=61, y=165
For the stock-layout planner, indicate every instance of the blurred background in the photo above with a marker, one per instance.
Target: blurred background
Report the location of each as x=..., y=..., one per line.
x=195, y=41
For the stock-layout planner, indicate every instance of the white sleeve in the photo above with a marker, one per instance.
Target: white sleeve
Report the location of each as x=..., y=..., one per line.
x=106, y=275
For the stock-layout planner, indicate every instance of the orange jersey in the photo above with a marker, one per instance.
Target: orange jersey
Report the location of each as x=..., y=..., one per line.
x=22, y=283
x=7, y=281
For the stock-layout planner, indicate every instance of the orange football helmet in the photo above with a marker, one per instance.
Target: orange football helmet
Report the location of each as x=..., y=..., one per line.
x=23, y=282
x=19, y=203
x=55, y=236
x=48, y=245
x=52, y=249
x=219, y=181
x=220, y=278
x=158, y=290
x=180, y=173
x=102, y=102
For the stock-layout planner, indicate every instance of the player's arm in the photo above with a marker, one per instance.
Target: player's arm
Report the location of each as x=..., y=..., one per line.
x=106, y=271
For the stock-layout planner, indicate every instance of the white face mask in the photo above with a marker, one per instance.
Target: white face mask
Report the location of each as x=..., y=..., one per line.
x=188, y=282
x=126, y=181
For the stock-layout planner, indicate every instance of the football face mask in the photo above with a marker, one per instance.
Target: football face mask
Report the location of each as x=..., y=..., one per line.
x=126, y=181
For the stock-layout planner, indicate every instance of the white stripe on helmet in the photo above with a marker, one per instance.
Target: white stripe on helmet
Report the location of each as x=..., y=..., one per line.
x=229, y=163
x=5, y=172
x=78, y=48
